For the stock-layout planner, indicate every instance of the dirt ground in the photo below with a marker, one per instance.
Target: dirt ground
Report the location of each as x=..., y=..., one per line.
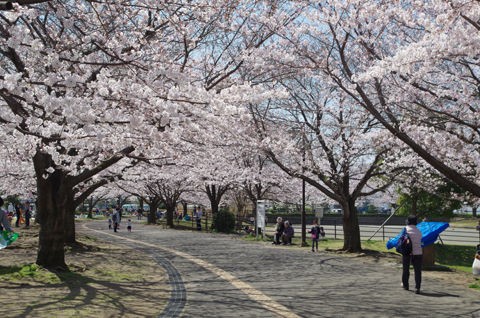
x=98, y=285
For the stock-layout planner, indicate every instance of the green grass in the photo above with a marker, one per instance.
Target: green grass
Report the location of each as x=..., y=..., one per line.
x=465, y=222
x=379, y=246
x=296, y=241
x=28, y=271
x=458, y=257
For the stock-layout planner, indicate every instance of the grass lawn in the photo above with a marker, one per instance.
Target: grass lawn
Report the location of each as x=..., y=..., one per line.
x=465, y=222
x=455, y=256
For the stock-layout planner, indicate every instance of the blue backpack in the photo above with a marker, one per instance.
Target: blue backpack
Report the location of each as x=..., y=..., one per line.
x=404, y=243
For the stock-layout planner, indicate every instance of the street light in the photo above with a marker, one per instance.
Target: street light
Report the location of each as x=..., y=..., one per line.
x=6, y=5
x=304, y=222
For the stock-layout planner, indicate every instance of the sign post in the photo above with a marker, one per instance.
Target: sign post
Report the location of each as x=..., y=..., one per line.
x=260, y=226
x=319, y=213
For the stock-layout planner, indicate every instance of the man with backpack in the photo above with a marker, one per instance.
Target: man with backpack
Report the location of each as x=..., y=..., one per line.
x=415, y=256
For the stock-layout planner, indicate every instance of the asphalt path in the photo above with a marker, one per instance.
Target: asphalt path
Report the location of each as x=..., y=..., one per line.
x=216, y=275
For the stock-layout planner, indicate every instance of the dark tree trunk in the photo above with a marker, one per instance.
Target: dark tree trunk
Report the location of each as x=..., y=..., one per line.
x=214, y=205
x=170, y=213
x=140, y=203
x=90, y=208
x=51, y=200
x=351, y=229
x=70, y=236
x=414, y=197
x=254, y=204
x=152, y=214
x=215, y=194
x=185, y=208
x=55, y=197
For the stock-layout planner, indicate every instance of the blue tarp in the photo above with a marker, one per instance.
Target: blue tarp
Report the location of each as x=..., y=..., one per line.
x=429, y=230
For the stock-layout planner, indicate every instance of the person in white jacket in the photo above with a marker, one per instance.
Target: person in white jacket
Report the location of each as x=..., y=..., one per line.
x=415, y=258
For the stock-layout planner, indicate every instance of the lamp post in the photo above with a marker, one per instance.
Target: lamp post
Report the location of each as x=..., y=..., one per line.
x=304, y=225
x=304, y=221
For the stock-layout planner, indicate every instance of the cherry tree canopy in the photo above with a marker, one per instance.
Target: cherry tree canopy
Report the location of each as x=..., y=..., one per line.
x=413, y=67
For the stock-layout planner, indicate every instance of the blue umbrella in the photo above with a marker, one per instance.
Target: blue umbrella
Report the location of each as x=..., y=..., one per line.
x=429, y=230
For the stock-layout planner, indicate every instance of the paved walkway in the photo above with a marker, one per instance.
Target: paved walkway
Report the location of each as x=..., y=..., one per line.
x=215, y=275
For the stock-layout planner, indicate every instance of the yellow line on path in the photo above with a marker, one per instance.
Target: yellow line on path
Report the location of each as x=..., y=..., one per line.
x=256, y=295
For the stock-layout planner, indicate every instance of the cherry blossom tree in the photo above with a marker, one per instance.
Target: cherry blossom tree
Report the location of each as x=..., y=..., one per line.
x=157, y=184
x=50, y=92
x=413, y=67
x=319, y=135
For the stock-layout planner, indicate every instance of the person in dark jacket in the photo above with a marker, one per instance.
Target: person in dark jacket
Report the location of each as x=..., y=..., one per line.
x=279, y=227
x=315, y=233
x=287, y=234
x=28, y=215
x=18, y=214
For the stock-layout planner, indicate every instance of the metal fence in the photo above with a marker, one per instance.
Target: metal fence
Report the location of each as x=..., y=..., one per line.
x=454, y=236
x=334, y=229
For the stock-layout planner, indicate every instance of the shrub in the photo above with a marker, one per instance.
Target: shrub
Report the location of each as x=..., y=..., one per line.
x=224, y=222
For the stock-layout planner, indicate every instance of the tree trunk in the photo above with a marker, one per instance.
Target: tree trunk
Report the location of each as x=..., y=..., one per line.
x=90, y=208
x=170, y=212
x=70, y=236
x=185, y=208
x=351, y=229
x=474, y=211
x=215, y=194
x=152, y=214
x=254, y=204
x=414, y=197
x=51, y=201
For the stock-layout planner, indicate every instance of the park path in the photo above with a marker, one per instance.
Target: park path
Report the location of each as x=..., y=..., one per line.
x=216, y=275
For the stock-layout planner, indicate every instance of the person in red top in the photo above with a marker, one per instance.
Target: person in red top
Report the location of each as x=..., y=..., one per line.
x=415, y=258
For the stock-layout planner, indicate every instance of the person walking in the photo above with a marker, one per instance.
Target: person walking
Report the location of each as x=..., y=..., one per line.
x=28, y=215
x=109, y=223
x=18, y=214
x=129, y=225
x=315, y=233
x=115, y=221
x=415, y=258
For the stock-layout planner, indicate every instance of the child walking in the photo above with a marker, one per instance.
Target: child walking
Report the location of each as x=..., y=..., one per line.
x=315, y=232
x=129, y=225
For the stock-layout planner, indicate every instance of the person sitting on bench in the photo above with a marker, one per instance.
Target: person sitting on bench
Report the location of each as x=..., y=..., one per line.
x=287, y=234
